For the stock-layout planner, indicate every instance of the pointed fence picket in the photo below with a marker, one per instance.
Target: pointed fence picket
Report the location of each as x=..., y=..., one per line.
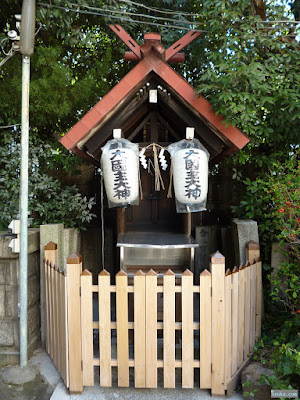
x=57, y=337
x=229, y=324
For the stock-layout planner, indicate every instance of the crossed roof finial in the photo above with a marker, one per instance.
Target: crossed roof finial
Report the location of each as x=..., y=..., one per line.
x=153, y=42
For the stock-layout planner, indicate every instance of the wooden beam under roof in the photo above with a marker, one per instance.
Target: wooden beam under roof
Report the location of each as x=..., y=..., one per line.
x=191, y=120
x=168, y=127
x=105, y=131
x=138, y=128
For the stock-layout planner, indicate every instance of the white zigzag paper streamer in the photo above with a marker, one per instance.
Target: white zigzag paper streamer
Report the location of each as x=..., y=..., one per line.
x=162, y=160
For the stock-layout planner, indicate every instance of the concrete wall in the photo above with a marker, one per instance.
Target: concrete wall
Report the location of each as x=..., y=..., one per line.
x=9, y=297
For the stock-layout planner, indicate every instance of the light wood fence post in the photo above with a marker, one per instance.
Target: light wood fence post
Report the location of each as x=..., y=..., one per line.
x=235, y=320
x=252, y=251
x=218, y=323
x=122, y=329
x=74, y=268
x=169, y=329
x=55, y=315
x=187, y=301
x=253, y=254
x=241, y=312
x=151, y=329
x=104, y=328
x=87, y=328
x=50, y=260
x=228, y=327
x=247, y=309
x=139, y=329
x=259, y=300
x=205, y=330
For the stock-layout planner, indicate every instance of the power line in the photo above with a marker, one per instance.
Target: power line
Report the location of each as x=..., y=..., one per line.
x=139, y=15
x=137, y=21
x=167, y=11
x=171, y=19
x=9, y=126
x=158, y=10
x=287, y=21
x=120, y=18
x=8, y=56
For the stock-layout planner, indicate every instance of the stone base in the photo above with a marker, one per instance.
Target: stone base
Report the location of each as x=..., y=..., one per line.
x=12, y=356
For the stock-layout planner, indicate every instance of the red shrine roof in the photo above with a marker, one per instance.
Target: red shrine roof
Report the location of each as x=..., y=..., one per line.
x=86, y=137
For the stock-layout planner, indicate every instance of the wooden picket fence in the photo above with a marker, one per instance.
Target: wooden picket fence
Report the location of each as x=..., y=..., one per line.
x=226, y=318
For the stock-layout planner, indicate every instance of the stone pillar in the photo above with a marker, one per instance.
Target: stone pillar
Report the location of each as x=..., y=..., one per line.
x=207, y=238
x=9, y=298
x=243, y=230
x=71, y=243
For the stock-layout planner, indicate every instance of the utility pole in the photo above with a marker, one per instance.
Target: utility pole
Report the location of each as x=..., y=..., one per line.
x=26, y=49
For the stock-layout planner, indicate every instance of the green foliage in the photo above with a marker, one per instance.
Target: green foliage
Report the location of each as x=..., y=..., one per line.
x=249, y=392
x=279, y=349
x=49, y=201
x=70, y=71
x=286, y=286
x=251, y=76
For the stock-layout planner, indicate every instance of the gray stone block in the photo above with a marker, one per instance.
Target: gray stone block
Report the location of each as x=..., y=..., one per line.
x=33, y=240
x=33, y=244
x=13, y=272
x=16, y=332
x=34, y=264
x=33, y=290
x=4, y=272
x=5, y=251
x=33, y=321
x=6, y=333
x=11, y=301
x=2, y=301
x=242, y=232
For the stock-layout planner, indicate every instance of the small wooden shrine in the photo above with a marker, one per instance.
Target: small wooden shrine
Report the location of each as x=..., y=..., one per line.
x=153, y=104
x=207, y=323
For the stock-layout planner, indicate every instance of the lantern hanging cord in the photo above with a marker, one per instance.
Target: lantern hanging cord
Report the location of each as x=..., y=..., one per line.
x=140, y=185
x=154, y=144
x=158, y=178
x=149, y=166
x=102, y=223
x=169, y=194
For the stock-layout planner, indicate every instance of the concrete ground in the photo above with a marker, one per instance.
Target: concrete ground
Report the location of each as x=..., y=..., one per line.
x=36, y=381
x=47, y=385
x=91, y=393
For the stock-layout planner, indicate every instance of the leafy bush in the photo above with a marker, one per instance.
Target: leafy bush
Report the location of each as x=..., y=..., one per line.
x=49, y=201
x=279, y=349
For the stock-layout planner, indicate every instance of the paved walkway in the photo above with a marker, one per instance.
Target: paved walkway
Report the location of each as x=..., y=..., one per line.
x=91, y=393
x=50, y=374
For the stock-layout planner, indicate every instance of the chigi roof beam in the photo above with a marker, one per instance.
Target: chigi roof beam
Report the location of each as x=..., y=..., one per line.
x=181, y=44
x=127, y=39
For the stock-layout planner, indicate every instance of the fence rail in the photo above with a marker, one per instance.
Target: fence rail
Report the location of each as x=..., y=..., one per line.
x=218, y=321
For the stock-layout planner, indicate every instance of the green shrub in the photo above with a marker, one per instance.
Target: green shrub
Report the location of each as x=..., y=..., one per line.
x=49, y=200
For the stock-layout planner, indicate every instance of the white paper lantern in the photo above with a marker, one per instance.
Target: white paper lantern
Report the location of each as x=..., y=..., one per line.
x=190, y=173
x=120, y=166
x=190, y=169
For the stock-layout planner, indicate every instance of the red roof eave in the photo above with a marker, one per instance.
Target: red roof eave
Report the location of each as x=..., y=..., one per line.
x=93, y=117
x=151, y=63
